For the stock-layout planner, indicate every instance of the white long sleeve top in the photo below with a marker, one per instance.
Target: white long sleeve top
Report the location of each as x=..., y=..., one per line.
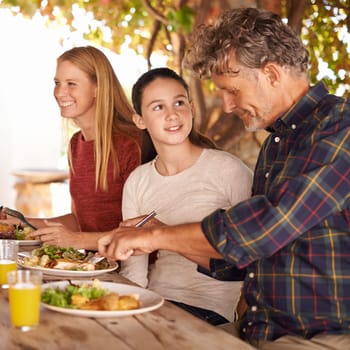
x=217, y=180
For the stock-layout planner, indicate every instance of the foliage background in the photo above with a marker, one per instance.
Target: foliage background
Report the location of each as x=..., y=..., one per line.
x=163, y=26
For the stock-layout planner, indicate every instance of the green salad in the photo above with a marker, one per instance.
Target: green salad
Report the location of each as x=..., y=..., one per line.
x=50, y=256
x=55, y=253
x=22, y=233
x=18, y=232
x=63, y=297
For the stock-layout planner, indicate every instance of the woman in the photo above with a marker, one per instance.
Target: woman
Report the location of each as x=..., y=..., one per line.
x=101, y=154
x=187, y=180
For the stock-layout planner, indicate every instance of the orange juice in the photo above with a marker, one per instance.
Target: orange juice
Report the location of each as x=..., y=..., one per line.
x=25, y=304
x=6, y=266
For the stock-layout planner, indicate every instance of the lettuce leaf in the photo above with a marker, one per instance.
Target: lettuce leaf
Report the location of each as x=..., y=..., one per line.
x=63, y=297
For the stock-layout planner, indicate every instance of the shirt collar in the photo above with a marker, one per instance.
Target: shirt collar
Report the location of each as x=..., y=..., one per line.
x=296, y=114
x=305, y=106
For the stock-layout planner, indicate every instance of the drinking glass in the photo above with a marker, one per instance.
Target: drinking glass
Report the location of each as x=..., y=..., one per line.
x=8, y=259
x=24, y=296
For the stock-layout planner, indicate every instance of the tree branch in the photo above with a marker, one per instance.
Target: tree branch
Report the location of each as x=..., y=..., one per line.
x=154, y=34
x=157, y=15
x=295, y=14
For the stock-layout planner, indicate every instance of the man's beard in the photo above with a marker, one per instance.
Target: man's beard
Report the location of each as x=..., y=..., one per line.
x=254, y=122
x=253, y=128
x=251, y=123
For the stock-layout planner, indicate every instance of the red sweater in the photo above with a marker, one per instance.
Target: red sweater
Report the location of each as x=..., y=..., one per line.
x=99, y=210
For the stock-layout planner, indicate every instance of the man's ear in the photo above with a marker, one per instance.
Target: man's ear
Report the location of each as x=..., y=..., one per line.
x=138, y=120
x=272, y=73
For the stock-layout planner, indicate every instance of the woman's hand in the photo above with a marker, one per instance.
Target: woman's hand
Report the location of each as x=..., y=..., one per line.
x=6, y=219
x=56, y=234
x=3, y=215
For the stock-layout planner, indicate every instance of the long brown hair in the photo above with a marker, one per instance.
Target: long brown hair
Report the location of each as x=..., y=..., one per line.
x=113, y=110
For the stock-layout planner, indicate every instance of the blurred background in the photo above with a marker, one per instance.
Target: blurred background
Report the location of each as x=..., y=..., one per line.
x=135, y=35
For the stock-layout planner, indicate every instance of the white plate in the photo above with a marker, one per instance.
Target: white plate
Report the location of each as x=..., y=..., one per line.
x=65, y=273
x=149, y=300
x=25, y=242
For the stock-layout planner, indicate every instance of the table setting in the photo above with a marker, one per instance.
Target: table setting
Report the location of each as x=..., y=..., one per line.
x=45, y=303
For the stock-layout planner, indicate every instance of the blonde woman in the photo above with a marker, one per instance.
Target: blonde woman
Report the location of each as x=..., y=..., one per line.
x=101, y=154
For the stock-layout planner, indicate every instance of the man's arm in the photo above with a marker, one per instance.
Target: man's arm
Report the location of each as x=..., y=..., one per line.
x=185, y=239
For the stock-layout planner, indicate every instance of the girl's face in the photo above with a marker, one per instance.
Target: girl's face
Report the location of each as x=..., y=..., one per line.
x=166, y=112
x=75, y=93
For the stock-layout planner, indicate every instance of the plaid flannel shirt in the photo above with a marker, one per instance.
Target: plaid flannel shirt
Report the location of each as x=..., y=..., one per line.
x=293, y=235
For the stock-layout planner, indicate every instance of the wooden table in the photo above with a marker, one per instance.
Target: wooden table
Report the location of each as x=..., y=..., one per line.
x=165, y=328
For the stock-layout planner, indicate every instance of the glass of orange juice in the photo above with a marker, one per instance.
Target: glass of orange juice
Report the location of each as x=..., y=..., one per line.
x=24, y=296
x=8, y=259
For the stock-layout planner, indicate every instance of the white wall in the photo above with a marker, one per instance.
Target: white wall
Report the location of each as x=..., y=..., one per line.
x=30, y=123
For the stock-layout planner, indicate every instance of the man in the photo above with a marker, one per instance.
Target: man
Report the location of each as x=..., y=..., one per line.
x=293, y=235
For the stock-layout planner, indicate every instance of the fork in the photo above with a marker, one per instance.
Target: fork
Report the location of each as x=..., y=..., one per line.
x=19, y=216
x=96, y=258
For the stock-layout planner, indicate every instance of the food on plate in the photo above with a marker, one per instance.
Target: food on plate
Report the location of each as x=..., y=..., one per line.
x=89, y=297
x=11, y=231
x=6, y=231
x=111, y=302
x=49, y=256
x=129, y=302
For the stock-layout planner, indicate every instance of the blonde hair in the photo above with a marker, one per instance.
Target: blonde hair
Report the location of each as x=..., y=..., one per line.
x=113, y=110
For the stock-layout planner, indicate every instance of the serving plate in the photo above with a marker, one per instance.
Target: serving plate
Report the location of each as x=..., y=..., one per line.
x=28, y=242
x=64, y=273
x=148, y=300
x=25, y=242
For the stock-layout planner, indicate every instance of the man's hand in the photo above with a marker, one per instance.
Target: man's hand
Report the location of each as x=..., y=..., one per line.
x=185, y=239
x=126, y=241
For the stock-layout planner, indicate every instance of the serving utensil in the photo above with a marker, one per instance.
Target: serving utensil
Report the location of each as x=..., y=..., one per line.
x=151, y=215
x=18, y=215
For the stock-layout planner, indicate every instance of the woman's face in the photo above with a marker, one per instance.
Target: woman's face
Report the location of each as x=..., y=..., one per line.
x=166, y=112
x=74, y=91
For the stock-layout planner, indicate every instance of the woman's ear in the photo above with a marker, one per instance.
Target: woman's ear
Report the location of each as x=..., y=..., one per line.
x=138, y=120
